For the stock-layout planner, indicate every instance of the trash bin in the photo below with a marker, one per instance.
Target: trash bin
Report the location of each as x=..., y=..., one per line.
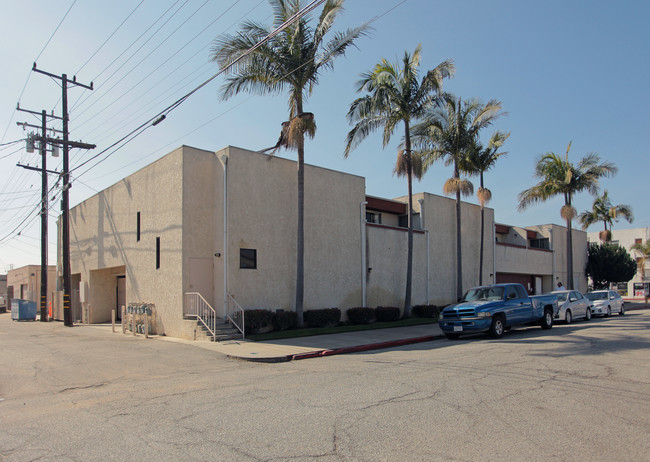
x=22, y=310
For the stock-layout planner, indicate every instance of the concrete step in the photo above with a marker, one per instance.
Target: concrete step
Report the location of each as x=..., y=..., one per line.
x=224, y=331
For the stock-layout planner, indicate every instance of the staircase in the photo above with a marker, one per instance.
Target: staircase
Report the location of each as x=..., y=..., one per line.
x=224, y=331
x=199, y=309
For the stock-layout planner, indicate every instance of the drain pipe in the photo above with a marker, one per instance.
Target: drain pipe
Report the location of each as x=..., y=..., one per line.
x=224, y=163
x=362, y=221
x=494, y=252
x=552, y=246
x=426, y=232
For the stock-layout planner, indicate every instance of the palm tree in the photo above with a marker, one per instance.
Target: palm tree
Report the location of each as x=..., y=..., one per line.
x=396, y=95
x=292, y=60
x=560, y=177
x=603, y=210
x=480, y=161
x=449, y=133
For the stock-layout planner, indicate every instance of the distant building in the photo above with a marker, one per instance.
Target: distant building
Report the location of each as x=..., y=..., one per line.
x=640, y=284
x=25, y=283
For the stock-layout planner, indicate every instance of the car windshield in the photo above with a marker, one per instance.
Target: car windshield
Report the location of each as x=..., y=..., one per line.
x=593, y=296
x=483, y=294
x=562, y=296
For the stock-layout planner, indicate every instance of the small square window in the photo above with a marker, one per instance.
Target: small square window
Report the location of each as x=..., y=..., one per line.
x=638, y=241
x=248, y=258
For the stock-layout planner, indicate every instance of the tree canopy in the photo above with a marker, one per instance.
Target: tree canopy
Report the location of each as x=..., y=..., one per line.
x=609, y=263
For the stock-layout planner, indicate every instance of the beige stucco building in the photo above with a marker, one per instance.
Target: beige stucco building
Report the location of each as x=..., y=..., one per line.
x=223, y=225
x=535, y=256
x=637, y=287
x=25, y=283
x=225, y=222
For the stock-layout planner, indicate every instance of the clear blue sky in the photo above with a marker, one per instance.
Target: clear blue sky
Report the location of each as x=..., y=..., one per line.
x=564, y=70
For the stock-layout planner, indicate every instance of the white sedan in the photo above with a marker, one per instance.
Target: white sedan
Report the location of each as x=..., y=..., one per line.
x=573, y=305
x=606, y=302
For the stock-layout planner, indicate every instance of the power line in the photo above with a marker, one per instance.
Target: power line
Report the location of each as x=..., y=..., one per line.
x=133, y=54
x=125, y=120
x=30, y=72
x=115, y=100
x=155, y=120
x=110, y=36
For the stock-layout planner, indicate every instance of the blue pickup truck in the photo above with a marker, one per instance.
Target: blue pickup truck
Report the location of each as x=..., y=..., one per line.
x=495, y=309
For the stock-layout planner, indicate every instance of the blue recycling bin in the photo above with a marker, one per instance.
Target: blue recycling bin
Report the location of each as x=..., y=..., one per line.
x=22, y=310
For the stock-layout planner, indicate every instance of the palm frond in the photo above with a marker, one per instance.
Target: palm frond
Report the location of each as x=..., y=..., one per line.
x=568, y=212
x=454, y=185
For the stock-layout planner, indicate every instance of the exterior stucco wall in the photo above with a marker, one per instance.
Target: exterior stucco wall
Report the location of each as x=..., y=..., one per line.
x=626, y=238
x=558, y=238
x=202, y=216
x=438, y=215
x=262, y=215
x=510, y=259
x=29, y=278
x=387, y=262
x=103, y=236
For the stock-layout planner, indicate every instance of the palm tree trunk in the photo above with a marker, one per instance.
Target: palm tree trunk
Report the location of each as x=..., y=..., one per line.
x=569, y=246
x=300, y=234
x=459, y=256
x=480, y=264
x=409, y=258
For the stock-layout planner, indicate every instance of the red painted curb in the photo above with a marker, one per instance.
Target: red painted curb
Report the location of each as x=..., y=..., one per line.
x=370, y=346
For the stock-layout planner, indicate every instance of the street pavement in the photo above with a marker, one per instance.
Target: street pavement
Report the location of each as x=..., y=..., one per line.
x=576, y=392
x=325, y=345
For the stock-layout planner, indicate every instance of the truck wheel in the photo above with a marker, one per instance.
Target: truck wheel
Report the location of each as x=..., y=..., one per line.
x=567, y=317
x=622, y=312
x=588, y=315
x=547, y=320
x=498, y=327
x=452, y=336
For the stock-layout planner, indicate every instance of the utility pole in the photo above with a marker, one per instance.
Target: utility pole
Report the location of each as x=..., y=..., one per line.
x=65, y=202
x=44, y=208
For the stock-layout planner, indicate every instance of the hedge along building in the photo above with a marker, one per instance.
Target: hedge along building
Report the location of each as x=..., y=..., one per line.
x=224, y=224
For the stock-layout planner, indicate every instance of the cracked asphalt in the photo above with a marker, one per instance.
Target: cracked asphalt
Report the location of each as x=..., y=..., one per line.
x=577, y=392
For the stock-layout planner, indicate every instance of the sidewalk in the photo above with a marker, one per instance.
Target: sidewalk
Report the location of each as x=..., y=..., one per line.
x=319, y=345
x=326, y=345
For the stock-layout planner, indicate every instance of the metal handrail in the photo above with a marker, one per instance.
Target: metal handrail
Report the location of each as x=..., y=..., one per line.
x=197, y=306
x=236, y=315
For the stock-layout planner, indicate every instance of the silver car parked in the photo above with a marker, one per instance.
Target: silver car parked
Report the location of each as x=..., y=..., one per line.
x=606, y=302
x=573, y=305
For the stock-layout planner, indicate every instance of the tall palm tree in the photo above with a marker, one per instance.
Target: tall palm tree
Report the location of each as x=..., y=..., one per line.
x=480, y=161
x=603, y=210
x=560, y=177
x=395, y=94
x=449, y=133
x=291, y=61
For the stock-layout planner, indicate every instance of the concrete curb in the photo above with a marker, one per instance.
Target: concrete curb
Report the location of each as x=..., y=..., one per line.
x=340, y=351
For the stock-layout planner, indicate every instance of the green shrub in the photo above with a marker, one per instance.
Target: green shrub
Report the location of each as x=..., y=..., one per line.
x=387, y=313
x=326, y=317
x=426, y=311
x=361, y=315
x=258, y=321
x=283, y=320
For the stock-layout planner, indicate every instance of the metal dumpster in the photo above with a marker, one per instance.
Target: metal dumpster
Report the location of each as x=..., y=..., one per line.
x=23, y=310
